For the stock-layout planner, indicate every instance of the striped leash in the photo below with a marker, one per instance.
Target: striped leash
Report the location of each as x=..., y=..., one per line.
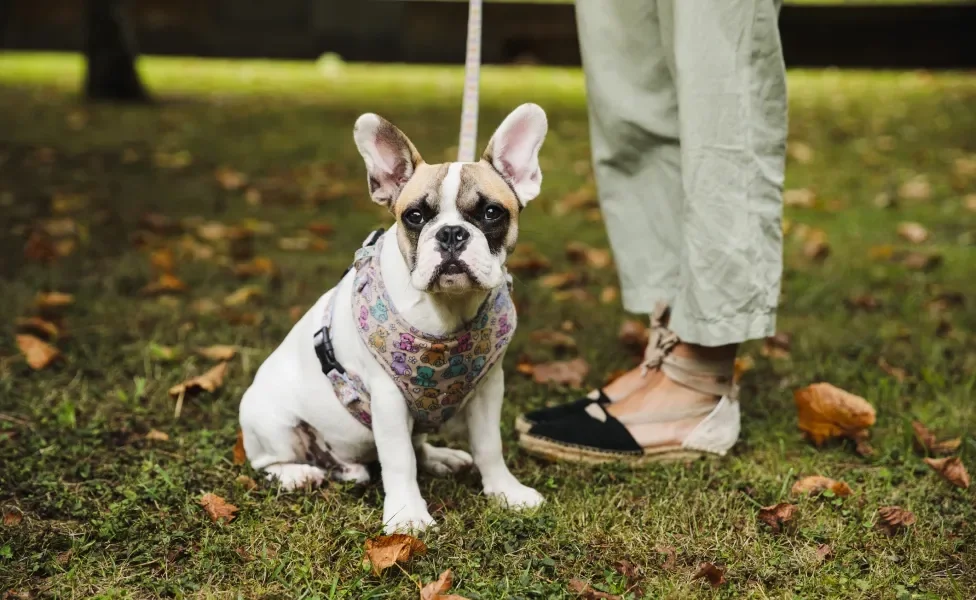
x=472, y=76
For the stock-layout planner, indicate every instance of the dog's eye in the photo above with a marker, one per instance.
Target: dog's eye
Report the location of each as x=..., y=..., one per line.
x=493, y=213
x=414, y=217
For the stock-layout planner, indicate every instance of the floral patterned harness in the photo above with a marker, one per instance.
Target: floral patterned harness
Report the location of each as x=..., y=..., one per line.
x=435, y=373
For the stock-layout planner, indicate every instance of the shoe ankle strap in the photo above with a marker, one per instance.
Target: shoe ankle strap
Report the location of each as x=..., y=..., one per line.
x=662, y=340
x=705, y=376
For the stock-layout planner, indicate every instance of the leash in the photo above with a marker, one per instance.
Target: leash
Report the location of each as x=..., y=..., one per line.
x=472, y=76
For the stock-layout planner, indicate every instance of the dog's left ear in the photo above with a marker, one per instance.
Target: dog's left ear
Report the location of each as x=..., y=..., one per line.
x=514, y=150
x=390, y=157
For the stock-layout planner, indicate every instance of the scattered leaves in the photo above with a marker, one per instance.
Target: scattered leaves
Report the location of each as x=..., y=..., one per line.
x=714, y=575
x=553, y=339
x=672, y=556
x=585, y=591
x=162, y=260
x=800, y=152
x=218, y=508
x=824, y=552
x=743, y=364
x=36, y=326
x=229, y=179
x=246, y=482
x=633, y=574
x=778, y=515
x=609, y=294
x=163, y=353
x=825, y=411
x=256, y=267
x=384, y=551
x=899, y=374
x=218, y=352
x=866, y=302
x=580, y=253
x=156, y=435
x=802, y=198
x=560, y=281
x=166, y=284
x=569, y=373
x=917, y=188
x=243, y=296
x=50, y=301
x=892, y=519
x=320, y=228
x=526, y=260
x=913, y=232
x=208, y=382
x=12, y=516
x=921, y=261
x=634, y=335
x=927, y=442
x=240, y=456
x=814, y=485
x=815, y=246
x=39, y=354
x=437, y=590
x=777, y=346
x=951, y=469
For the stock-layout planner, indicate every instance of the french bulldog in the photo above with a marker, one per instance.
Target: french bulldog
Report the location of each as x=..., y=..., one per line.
x=439, y=263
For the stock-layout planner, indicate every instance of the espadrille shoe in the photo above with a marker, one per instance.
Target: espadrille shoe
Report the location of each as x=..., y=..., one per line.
x=660, y=342
x=593, y=435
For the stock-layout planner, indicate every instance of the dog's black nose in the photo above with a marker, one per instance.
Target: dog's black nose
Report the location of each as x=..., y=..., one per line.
x=452, y=238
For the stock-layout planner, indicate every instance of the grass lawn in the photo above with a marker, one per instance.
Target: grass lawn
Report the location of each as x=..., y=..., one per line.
x=107, y=512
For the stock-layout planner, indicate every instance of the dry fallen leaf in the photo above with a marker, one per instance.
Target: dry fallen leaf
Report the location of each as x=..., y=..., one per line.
x=384, y=551
x=257, y=266
x=672, y=556
x=246, y=482
x=527, y=261
x=580, y=253
x=219, y=352
x=899, y=374
x=970, y=202
x=229, y=179
x=437, y=590
x=569, y=373
x=913, y=232
x=39, y=354
x=162, y=260
x=166, y=284
x=218, y=508
x=777, y=346
x=892, y=519
x=36, y=326
x=633, y=573
x=609, y=294
x=815, y=247
x=50, y=301
x=240, y=455
x=917, y=188
x=294, y=244
x=156, y=435
x=926, y=441
x=634, y=335
x=12, y=516
x=881, y=252
x=825, y=411
x=558, y=281
x=243, y=295
x=553, y=339
x=209, y=381
x=320, y=228
x=585, y=197
x=864, y=301
x=40, y=248
x=920, y=261
x=577, y=295
x=814, y=485
x=586, y=592
x=158, y=223
x=743, y=364
x=802, y=198
x=778, y=515
x=824, y=552
x=951, y=469
x=714, y=575
x=800, y=152
x=213, y=231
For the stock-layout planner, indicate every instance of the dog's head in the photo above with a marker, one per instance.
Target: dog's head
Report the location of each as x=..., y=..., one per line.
x=457, y=222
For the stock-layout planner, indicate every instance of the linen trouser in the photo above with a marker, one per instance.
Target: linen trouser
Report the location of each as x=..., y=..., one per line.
x=687, y=110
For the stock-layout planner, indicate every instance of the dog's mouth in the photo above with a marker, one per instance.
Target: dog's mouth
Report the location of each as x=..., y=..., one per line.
x=453, y=277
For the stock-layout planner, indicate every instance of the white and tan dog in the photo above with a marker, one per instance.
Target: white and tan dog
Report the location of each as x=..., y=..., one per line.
x=456, y=224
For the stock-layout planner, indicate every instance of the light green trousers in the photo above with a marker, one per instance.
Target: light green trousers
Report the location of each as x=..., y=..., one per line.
x=687, y=109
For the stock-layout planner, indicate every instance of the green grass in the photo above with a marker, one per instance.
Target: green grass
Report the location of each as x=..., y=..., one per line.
x=108, y=513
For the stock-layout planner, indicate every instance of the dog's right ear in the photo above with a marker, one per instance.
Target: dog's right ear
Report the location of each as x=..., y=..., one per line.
x=390, y=157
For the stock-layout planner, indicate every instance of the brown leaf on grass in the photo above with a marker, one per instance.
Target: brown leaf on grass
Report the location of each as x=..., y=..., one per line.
x=714, y=575
x=945, y=301
x=927, y=442
x=156, y=435
x=437, y=590
x=815, y=247
x=59, y=228
x=294, y=244
x=585, y=591
x=213, y=231
x=915, y=233
x=777, y=515
x=672, y=556
x=743, y=364
x=824, y=552
x=777, y=346
x=12, y=516
x=609, y=294
x=969, y=201
x=866, y=302
x=526, y=260
x=320, y=228
x=951, y=469
x=920, y=261
x=229, y=179
x=218, y=508
x=634, y=335
x=204, y=306
x=36, y=326
x=240, y=455
x=189, y=247
x=384, y=551
x=208, y=382
x=218, y=352
x=585, y=197
x=256, y=267
x=633, y=574
x=577, y=295
x=800, y=152
x=892, y=519
x=246, y=482
x=39, y=354
x=243, y=295
x=897, y=373
x=580, y=253
x=559, y=281
x=159, y=223
x=553, y=339
x=163, y=353
x=52, y=301
x=166, y=284
x=814, y=485
x=525, y=366
x=825, y=411
x=881, y=252
x=801, y=198
x=162, y=260
x=242, y=318
x=40, y=248
x=917, y=188
x=569, y=373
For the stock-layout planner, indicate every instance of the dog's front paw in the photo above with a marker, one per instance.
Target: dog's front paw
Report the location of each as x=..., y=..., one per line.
x=444, y=461
x=516, y=496
x=293, y=476
x=407, y=519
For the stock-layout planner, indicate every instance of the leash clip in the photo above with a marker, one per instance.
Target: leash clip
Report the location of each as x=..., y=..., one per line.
x=326, y=352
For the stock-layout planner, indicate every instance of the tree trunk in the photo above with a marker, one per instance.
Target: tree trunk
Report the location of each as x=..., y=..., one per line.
x=111, y=55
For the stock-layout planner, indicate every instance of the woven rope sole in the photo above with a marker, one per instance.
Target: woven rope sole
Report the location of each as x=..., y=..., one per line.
x=553, y=451
x=523, y=425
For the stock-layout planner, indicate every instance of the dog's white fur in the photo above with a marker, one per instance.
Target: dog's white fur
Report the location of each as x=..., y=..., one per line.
x=290, y=390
